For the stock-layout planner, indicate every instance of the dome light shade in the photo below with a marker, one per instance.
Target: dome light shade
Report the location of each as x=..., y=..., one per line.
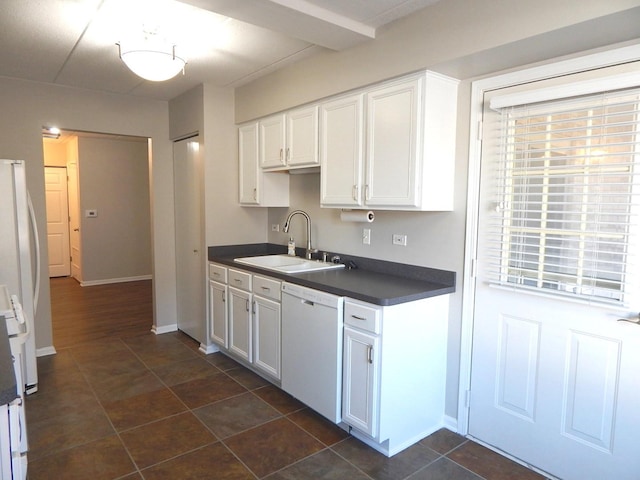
x=151, y=58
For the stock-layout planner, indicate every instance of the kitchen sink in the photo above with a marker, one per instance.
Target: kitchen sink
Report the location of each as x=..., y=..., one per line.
x=287, y=263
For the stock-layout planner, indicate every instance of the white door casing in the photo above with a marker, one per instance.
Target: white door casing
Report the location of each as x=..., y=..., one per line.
x=550, y=382
x=75, y=235
x=57, y=221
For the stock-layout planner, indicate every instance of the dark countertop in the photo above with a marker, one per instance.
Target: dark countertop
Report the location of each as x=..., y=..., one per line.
x=8, y=390
x=374, y=281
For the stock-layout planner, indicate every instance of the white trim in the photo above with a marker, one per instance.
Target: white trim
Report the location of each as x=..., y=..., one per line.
x=107, y=281
x=478, y=88
x=207, y=349
x=164, y=329
x=586, y=87
x=44, y=351
x=450, y=423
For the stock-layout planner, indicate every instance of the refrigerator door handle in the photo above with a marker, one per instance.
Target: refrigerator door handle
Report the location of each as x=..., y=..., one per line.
x=36, y=239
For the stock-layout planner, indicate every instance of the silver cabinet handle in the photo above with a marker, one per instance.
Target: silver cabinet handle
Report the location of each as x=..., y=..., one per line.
x=357, y=317
x=266, y=289
x=370, y=353
x=224, y=297
x=253, y=307
x=247, y=304
x=255, y=194
x=237, y=280
x=288, y=154
x=281, y=154
x=354, y=192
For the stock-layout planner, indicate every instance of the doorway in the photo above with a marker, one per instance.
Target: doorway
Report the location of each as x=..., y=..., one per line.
x=108, y=209
x=552, y=372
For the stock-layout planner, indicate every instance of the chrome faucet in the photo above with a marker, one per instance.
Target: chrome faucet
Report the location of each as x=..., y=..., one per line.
x=285, y=229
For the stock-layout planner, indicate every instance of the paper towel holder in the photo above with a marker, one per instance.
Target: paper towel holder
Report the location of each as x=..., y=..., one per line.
x=364, y=216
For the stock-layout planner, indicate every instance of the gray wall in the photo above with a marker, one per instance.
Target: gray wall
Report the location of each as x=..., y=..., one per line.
x=114, y=180
x=456, y=37
x=27, y=106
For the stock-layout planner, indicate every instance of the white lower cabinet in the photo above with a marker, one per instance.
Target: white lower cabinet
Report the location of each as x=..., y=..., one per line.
x=245, y=317
x=218, y=313
x=394, y=364
x=361, y=364
x=240, y=331
x=267, y=323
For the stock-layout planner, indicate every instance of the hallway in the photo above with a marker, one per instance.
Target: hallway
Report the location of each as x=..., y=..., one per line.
x=125, y=404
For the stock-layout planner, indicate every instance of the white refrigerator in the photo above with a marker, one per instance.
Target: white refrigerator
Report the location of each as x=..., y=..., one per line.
x=19, y=256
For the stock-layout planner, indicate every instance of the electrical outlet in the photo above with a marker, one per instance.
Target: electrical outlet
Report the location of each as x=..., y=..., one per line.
x=399, y=239
x=275, y=227
x=366, y=236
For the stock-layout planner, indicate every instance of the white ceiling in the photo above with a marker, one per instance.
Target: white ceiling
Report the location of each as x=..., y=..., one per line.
x=227, y=42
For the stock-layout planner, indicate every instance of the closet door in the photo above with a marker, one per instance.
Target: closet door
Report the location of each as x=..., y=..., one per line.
x=190, y=249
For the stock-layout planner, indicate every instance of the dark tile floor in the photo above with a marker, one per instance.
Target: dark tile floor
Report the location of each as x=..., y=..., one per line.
x=153, y=407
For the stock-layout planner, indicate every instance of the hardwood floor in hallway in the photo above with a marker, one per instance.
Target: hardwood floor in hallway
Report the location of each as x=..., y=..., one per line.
x=85, y=314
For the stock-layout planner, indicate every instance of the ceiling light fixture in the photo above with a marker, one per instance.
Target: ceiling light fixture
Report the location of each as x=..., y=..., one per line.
x=51, y=132
x=151, y=57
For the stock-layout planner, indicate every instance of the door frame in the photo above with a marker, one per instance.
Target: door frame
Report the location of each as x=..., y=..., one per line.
x=478, y=88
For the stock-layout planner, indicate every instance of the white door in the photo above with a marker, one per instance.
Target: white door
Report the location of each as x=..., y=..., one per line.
x=240, y=334
x=75, y=236
x=360, y=389
x=218, y=313
x=342, y=151
x=554, y=377
x=55, y=180
x=393, y=124
x=267, y=335
x=302, y=137
x=190, y=255
x=272, y=141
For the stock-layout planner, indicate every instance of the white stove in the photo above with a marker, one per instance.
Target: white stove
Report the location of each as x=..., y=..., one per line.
x=13, y=431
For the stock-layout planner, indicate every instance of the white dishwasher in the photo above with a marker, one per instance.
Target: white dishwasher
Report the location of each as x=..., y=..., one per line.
x=312, y=330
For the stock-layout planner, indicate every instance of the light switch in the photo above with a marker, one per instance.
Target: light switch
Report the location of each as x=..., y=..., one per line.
x=91, y=213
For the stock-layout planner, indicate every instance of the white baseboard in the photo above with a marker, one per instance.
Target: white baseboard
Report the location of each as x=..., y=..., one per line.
x=43, y=352
x=451, y=423
x=207, y=349
x=107, y=281
x=164, y=329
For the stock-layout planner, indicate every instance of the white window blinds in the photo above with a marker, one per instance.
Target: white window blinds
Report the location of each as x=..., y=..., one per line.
x=568, y=199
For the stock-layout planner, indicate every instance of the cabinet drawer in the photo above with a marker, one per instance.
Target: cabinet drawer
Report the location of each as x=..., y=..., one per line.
x=240, y=279
x=364, y=317
x=266, y=287
x=217, y=273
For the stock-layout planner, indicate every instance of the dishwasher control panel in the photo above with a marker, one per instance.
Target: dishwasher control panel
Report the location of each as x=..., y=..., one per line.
x=310, y=295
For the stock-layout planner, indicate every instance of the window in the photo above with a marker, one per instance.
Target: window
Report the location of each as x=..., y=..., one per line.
x=568, y=210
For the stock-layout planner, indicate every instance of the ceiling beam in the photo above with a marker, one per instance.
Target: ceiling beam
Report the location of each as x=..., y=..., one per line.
x=296, y=18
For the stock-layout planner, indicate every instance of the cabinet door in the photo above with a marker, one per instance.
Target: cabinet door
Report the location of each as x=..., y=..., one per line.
x=272, y=142
x=240, y=323
x=218, y=313
x=360, y=380
x=266, y=335
x=341, y=151
x=394, y=115
x=302, y=138
x=249, y=167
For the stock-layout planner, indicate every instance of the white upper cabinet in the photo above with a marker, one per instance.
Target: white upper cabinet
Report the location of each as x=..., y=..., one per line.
x=341, y=151
x=387, y=147
x=302, y=138
x=393, y=134
x=290, y=140
x=273, y=141
x=408, y=140
x=258, y=188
